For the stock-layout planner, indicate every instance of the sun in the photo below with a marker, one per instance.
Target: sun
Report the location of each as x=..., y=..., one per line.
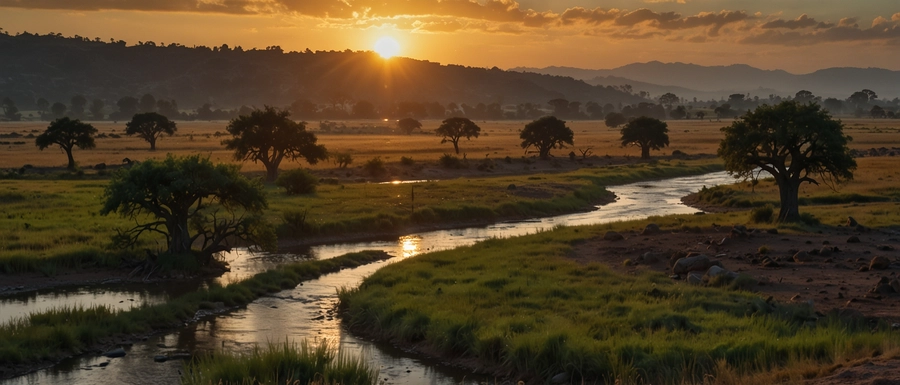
x=387, y=47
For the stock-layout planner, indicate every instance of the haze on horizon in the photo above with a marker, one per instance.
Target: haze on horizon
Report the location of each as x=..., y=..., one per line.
x=798, y=36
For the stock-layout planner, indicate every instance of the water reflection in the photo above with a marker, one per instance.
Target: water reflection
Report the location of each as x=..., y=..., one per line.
x=409, y=244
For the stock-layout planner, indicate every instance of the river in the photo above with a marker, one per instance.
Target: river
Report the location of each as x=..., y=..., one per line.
x=307, y=311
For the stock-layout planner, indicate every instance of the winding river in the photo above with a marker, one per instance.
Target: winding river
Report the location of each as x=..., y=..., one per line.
x=307, y=311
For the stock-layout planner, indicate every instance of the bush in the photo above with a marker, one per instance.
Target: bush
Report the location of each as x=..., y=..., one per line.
x=450, y=161
x=407, y=161
x=297, y=181
x=375, y=167
x=762, y=214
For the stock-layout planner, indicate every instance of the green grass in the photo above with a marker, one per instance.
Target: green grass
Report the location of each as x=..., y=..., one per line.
x=70, y=330
x=286, y=363
x=521, y=306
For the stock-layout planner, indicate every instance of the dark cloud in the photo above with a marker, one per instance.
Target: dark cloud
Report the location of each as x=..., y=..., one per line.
x=845, y=31
x=645, y=15
x=224, y=6
x=588, y=16
x=801, y=22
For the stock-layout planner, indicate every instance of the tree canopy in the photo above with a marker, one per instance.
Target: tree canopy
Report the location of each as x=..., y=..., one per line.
x=646, y=133
x=408, y=125
x=545, y=134
x=150, y=126
x=615, y=119
x=793, y=142
x=270, y=136
x=456, y=128
x=68, y=134
x=190, y=201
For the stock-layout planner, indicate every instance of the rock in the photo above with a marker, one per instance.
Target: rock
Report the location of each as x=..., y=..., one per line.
x=851, y=222
x=885, y=247
x=613, y=236
x=650, y=257
x=512, y=186
x=802, y=256
x=560, y=378
x=716, y=271
x=772, y=231
x=160, y=358
x=766, y=262
x=863, y=269
x=688, y=264
x=738, y=231
x=879, y=263
x=694, y=278
x=651, y=229
x=826, y=251
x=103, y=364
x=115, y=353
x=895, y=284
x=883, y=287
x=796, y=297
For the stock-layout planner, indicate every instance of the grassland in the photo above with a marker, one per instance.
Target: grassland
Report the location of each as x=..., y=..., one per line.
x=521, y=307
x=72, y=330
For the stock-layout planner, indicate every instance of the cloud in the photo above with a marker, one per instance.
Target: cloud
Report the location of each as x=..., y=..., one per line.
x=847, y=30
x=801, y=22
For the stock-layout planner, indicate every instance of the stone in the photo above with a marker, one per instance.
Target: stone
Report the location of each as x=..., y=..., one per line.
x=651, y=229
x=825, y=251
x=802, y=256
x=879, y=263
x=883, y=287
x=115, y=353
x=613, y=236
x=716, y=271
x=852, y=222
x=689, y=264
x=694, y=278
x=885, y=247
x=772, y=231
x=512, y=186
x=160, y=358
x=560, y=378
x=650, y=257
x=895, y=284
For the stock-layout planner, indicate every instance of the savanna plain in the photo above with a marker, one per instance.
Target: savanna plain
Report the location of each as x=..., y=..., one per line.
x=564, y=305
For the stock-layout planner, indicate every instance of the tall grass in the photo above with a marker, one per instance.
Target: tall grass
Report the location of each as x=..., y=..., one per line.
x=285, y=363
x=521, y=306
x=70, y=330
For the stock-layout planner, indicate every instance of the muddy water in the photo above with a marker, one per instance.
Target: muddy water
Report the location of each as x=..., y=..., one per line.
x=307, y=311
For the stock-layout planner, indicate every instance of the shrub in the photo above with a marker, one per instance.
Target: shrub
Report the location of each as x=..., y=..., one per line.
x=407, y=161
x=343, y=160
x=762, y=214
x=375, y=167
x=297, y=181
x=450, y=161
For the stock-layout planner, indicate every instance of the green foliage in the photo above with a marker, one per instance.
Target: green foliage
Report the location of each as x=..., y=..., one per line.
x=286, y=363
x=270, y=136
x=453, y=129
x=762, y=214
x=545, y=134
x=297, y=181
x=150, y=126
x=375, y=167
x=67, y=134
x=522, y=305
x=189, y=194
x=343, y=159
x=646, y=133
x=450, y=161
x=764, y=139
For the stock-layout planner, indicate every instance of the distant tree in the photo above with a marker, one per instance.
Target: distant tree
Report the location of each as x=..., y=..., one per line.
x=700, y=115
x=190, y=201
x=560, y=107
x=150, y=126
x=546, y=134
x=678, y=113
x=58, y=110
x=128, y=106
x=364, y=109
x=793, y=142
x=342, y=159
x=861, y=99
x=304, y=109
x=147, y=103
x=10, y=111
x=96, y=109
x=833, y=105
x=594, y=110
x=168, y=108
x=669, y=99
x=454, y=129
x=646, y=133
x=408, y=125
x=724, y=111
x=436, y=110
x=67, y=134
x=76, y=106
x=269, y=136
x=43, y=106
x=804, y=96
x=877, y=112
x=615, y=119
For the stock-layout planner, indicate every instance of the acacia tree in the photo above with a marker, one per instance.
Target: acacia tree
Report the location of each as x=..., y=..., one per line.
x=408, y=125
x=646, y=133
x=456, y=128
x=269, y=136
x=545, y=134
x=190, y=202
x=615, y=119
x=67, y=133
x=150, y=126
x=794, y=143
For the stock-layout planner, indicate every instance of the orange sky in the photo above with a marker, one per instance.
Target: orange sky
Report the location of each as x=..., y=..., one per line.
x=798, y=35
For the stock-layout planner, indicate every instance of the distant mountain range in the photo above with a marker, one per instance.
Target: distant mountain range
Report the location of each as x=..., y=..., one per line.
x=715, y=82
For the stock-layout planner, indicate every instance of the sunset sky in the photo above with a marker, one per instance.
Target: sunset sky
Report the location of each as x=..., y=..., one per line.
x=796, y=35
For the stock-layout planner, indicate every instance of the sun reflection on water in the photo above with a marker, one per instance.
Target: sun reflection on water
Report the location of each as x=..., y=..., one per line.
x=410, y=245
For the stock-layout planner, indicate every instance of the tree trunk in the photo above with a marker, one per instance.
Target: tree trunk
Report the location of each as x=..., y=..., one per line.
x=152, y=144
x=645, y=152
x=180, y=236
x=789, y=191
x=271, y=173
x=456, y=147
x=71, y=165
x=545, y=153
